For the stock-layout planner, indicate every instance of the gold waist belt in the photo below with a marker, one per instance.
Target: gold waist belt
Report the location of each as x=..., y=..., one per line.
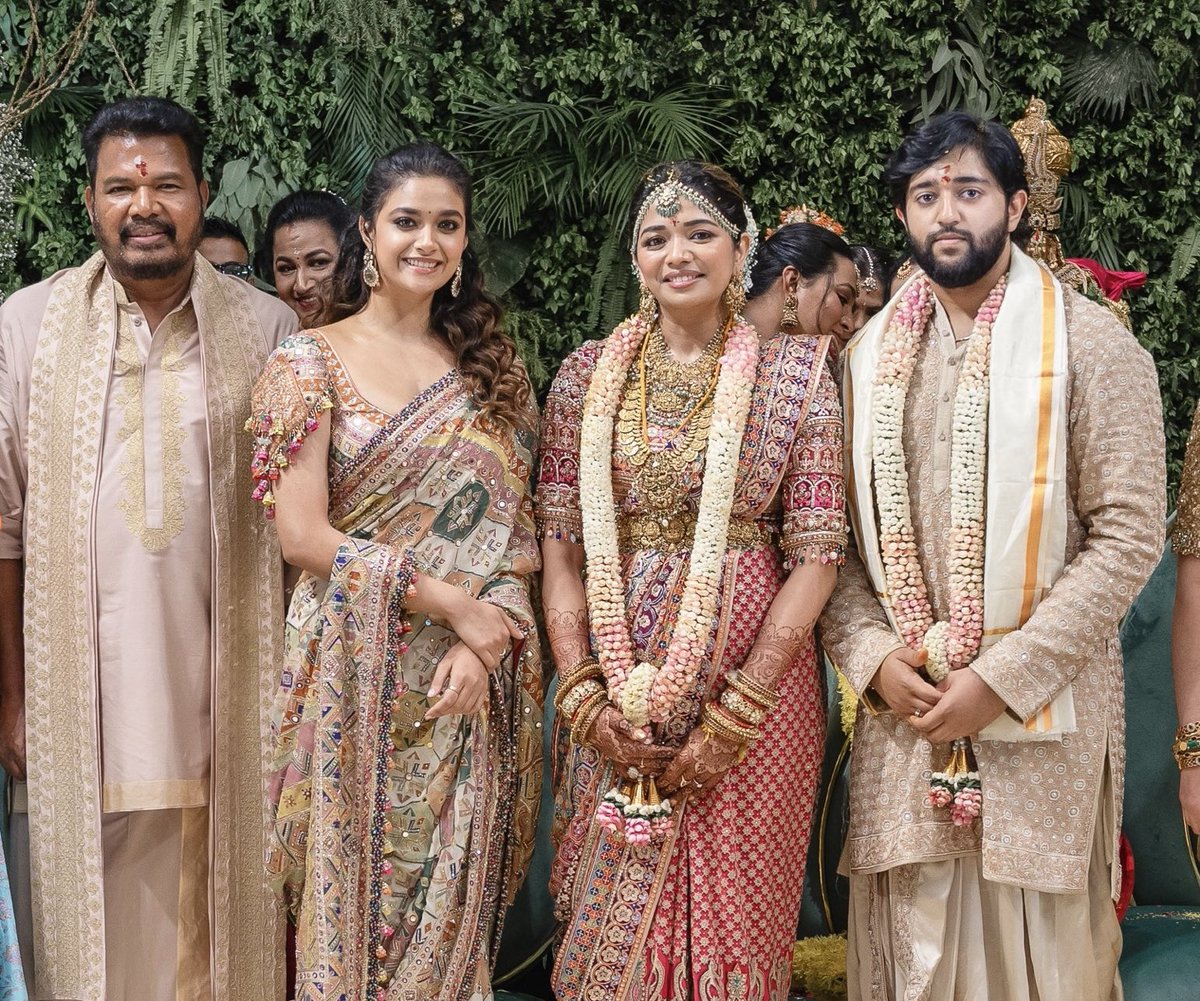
x=672, y=532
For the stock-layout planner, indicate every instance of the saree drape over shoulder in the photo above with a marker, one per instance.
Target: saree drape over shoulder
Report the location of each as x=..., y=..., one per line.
x=711, y=912
x=392, y=834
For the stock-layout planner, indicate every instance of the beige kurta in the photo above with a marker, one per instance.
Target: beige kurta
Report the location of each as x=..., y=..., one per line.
x=1042, y=799
x=153, y=605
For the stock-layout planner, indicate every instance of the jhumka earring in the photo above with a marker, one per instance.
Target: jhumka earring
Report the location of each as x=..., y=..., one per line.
x=790, y=317
x=647, y=304
x=370, y=273
x=735, y=295
x=456, y=281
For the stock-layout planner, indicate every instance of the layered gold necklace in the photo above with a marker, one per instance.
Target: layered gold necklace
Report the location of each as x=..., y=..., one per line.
x=675, y=398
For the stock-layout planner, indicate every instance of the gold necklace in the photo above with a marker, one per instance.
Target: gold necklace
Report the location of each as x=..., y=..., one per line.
x=673, y=387
x=662, y=467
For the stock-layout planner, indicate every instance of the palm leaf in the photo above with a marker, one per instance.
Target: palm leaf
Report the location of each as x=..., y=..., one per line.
x=1104, y=82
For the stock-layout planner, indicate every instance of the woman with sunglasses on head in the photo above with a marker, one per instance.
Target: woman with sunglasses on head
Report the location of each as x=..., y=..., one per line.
x=690, y=509
x=395, y=447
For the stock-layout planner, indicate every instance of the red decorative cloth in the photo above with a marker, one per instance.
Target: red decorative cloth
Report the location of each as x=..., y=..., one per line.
x=1112, y=283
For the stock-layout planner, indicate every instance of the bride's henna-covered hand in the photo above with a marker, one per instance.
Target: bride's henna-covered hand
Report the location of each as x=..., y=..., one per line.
x=699, y=764
x=610, y=736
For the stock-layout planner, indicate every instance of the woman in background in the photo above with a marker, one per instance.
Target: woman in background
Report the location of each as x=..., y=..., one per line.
x=875, y=271
x=298, y=253
x=804, y=283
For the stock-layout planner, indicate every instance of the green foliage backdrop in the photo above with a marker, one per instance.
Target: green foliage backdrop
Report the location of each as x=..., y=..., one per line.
x=558, y=105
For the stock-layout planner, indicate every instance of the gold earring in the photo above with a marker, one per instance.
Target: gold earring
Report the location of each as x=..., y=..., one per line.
x=735, y=295
x=456, y=281
x=790, y=317
x=370, y=273
x=647, y=304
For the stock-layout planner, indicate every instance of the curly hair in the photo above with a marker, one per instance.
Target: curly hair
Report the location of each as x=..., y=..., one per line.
x=471, y=323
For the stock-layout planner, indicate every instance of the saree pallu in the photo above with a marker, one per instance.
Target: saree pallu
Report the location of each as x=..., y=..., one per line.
x=711, y=912
x=393, y=834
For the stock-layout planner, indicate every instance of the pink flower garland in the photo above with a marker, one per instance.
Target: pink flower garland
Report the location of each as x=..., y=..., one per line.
x=952, y=644
x=955, y=643
x=642, y=692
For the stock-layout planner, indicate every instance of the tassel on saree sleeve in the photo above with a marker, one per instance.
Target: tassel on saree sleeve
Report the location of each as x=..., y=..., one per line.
x=289, y=398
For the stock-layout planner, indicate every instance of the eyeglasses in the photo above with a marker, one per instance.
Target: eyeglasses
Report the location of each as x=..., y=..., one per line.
x=243, y=271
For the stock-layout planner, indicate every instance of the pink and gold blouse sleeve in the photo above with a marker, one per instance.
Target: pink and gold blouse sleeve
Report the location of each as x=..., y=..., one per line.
x=288, y=400
x=814, y=493
x=557, y=497
x=1185, y=539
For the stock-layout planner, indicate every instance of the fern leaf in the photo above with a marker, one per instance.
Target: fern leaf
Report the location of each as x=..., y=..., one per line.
x=1187, y=253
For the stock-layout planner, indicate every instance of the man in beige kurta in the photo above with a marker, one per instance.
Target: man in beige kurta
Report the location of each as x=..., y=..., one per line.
x=1016, y=906
x=123, y=385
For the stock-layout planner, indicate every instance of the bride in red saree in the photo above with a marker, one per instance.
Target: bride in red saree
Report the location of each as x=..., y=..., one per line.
x=691, y=466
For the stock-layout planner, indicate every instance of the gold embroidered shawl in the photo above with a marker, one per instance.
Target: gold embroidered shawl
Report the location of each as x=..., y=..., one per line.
x=68, y=392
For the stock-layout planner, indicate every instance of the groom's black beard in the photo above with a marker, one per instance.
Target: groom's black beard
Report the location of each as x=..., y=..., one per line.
x=981, y=256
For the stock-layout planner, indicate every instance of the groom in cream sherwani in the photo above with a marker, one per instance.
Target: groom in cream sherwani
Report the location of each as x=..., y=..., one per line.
x=1005, y=577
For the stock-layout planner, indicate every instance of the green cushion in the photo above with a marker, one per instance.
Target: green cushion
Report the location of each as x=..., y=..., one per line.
x=1163, y=873
x=1161, y=958
x=826, y=898
x=529, y=926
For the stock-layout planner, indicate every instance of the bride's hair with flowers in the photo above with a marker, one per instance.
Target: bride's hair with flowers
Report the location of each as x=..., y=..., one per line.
x=470, y=322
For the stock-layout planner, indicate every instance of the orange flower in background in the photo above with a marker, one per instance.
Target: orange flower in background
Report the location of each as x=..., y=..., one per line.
x=802, y=213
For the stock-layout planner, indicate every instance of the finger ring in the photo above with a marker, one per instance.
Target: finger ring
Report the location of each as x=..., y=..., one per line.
x=451, y=688
x=918, y=713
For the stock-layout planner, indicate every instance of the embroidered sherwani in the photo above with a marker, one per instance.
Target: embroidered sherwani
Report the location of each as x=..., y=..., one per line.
x=1033, y=878
x=1185, y=539
x=151, y=675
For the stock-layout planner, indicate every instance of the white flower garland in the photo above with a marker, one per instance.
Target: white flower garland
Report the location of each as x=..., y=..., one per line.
x=642, y=692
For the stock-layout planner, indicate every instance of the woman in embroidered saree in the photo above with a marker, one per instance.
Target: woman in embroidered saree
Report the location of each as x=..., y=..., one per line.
x=687, y=657
x=395, y=448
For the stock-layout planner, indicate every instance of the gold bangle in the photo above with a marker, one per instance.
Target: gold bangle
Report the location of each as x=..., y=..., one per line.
x=720, y=723
x=568, y=685
x=742, y=708
x=755, y=692
x=577, y=696
x=588, y=667
x=587, y=714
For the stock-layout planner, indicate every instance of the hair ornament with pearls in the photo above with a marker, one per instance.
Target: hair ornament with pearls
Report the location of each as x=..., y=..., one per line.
x=666, y=197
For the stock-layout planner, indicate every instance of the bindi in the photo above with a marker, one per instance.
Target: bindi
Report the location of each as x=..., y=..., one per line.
x=140, y=163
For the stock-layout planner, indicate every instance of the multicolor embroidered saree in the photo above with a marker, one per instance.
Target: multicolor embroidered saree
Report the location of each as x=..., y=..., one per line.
x=711, y=912
x=392, y=834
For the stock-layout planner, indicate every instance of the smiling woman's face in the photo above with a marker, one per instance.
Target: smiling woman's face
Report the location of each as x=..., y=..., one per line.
x=685, y=260
x=303, y=260
x=419, y=236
